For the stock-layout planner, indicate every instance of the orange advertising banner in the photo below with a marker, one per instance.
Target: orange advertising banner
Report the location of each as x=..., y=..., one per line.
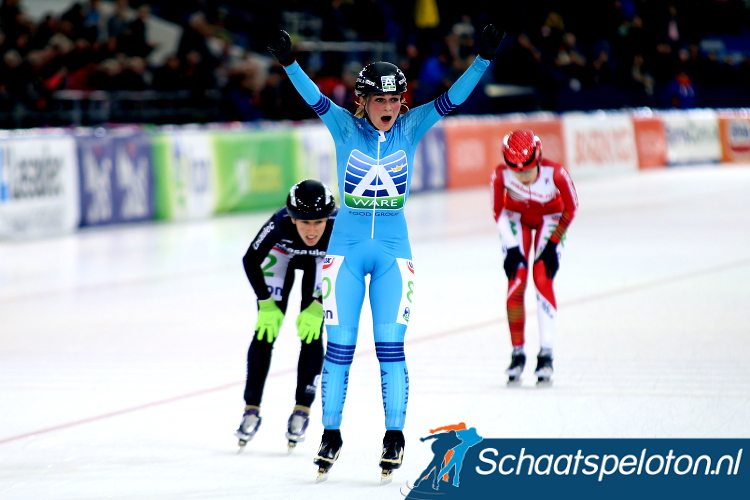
x=734, y=130
x=474, y=146
x=651, y=141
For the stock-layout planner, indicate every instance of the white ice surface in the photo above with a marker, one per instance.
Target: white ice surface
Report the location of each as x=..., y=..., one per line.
x=122, y=349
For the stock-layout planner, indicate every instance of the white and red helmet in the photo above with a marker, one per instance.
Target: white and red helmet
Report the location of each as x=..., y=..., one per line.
x=522, y=150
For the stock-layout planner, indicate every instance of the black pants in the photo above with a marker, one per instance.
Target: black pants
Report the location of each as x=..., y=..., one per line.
x=310, y=362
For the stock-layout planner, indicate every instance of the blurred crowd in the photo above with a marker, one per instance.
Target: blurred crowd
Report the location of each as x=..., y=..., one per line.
x=649, y=52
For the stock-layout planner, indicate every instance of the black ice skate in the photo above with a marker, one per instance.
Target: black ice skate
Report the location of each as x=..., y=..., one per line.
x=296, y=427
x=544, y=369
x=517, y=364
x=249, y=425
x=330, y=447
x=392, y=456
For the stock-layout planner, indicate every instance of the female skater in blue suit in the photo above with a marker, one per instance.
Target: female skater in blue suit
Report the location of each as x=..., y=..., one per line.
x=375, y=157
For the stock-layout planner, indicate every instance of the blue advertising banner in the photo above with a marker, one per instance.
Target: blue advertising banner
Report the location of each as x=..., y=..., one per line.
x=429, y=162
x=116, y=179
x=466, y=465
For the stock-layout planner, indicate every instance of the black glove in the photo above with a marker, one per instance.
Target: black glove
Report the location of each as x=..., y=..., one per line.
x=491, y=38
x=549, y=257
x=513, y=259
x=281, y=48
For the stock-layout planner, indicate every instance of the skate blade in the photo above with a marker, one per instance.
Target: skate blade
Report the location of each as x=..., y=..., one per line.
x=514, y=381
x=386, y=476
x=290, y=447
x=322, y=475
x=241, y=443
x=543, y=382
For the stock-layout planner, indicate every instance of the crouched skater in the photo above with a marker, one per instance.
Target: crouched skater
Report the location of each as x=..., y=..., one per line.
x=295, y=237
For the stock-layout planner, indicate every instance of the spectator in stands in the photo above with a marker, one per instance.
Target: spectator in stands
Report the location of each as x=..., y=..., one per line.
x=135, y=41
x=94, y=26
x=15, y=75
x=82, y=66
x=602, y=72
x=460, y=42
x=331, y=84
x=279, y=99
x=44, y=32
x=118, y=24
x=433, y=78
x=570, y=63
x=241, y=96
x=13, y=20
x=197, y=74
x=662, y=62
x=681, y=92
x=106, y=78
x=525, y=59
x=640, y=79
x=166, y=77
x=194, y=38
x=133, y=75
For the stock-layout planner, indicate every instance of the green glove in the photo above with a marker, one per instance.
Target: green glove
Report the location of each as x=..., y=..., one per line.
x=309, y=321
x=269, y=320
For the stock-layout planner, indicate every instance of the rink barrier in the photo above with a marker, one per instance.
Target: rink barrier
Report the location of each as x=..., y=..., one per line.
x=39, y=179
x=116, y=177
x=53, y=181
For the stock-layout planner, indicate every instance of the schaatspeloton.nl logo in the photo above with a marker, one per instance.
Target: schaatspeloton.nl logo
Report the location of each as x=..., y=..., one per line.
x=466, y=465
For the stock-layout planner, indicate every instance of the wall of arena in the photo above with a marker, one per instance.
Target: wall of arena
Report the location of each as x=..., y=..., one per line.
x=55, y=181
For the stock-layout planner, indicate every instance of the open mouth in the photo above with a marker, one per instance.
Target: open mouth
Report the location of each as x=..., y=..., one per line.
x=386, y=119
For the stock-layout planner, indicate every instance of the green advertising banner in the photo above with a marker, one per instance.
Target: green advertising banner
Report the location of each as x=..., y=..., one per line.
x=255, y=168
x=184, y=174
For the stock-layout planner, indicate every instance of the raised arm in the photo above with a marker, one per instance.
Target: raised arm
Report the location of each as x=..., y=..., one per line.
x=338, y=120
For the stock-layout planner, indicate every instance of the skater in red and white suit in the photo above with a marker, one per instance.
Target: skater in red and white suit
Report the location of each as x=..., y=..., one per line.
x=534, y=202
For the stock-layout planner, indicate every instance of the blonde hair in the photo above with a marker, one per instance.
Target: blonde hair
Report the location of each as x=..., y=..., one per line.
x=362, y=100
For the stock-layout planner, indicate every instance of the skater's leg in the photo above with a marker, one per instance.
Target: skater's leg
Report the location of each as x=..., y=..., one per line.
x=394, y=375
x=516, y=308
x=260, y=350
x=342, y=341
x=258, y=364
x=343, y=294
x=310, y=363
x=546, y=307
x=546, y=302
x=517, y=289
x=391, y=295
x=309, y=367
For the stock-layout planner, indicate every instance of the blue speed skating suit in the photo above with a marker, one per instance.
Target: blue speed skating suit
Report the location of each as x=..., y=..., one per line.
x=371, y=238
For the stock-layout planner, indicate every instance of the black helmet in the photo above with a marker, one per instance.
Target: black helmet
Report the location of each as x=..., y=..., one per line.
x=380, y=78
x=310, y=200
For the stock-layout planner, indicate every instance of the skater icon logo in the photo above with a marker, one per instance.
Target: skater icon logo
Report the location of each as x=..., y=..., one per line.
x=407, y=311
x=450, y=444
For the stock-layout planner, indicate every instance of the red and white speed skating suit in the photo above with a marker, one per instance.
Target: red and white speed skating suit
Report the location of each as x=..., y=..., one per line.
x=527, y=215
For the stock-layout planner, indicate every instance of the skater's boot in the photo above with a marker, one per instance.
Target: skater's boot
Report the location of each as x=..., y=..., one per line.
x=517, y=364
x=330, y=447
x=249, y=425
x=392, y=456
x=393, y=450
x=297, y=425
x=544, y=369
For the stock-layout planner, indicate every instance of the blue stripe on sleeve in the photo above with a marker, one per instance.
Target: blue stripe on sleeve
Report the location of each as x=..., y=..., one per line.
x=322, y=106
x=444, y=105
